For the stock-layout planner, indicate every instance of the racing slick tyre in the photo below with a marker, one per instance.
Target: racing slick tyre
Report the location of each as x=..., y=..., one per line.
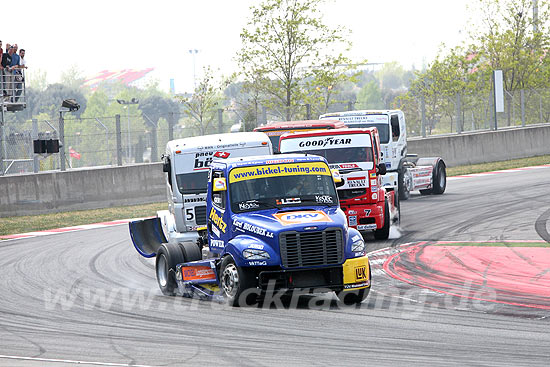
x=439, y=179
x=353, y=297
x=236, y=283
x=397, y=204
x=191, y=251
x=403, y=188
x=168, y=256
x=384, y=232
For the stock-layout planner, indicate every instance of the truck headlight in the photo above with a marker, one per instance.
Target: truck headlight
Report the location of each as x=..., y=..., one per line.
x=253, y=254
x=358, y=246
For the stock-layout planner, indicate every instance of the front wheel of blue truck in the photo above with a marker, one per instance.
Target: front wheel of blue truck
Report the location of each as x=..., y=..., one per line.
x=237, y=283
x=353, y=297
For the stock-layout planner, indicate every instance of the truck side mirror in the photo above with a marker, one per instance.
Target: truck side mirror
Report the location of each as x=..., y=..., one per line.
x=219, y=184
x=382, y=169
x=337, y=178
x=166, y=164
x=395, y=130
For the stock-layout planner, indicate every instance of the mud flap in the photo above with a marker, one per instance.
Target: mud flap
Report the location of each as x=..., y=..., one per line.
x=147, y=236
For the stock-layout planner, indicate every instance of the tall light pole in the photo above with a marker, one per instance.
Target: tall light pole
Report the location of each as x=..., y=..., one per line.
x=535, y=16
x=126, y=103
x=194, y=53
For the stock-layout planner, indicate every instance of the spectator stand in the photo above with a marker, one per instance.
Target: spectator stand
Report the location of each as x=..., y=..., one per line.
x=13, y=98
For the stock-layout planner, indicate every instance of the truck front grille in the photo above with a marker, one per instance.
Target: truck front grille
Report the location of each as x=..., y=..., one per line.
x=350, y=193
x=200, y=215
x=301, y=249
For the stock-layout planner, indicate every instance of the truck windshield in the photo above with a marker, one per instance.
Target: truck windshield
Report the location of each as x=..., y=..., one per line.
x=383, y=129
x=263, y=187
x=343, y=155
x=192, y=183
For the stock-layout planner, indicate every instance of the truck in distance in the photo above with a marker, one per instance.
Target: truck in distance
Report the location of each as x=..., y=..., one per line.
x=186, y=163
x=355, y=153
x=428, y=175
x=275, y=129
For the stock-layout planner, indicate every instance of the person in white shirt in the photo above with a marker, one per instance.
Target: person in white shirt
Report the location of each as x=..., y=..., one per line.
x=20, y=76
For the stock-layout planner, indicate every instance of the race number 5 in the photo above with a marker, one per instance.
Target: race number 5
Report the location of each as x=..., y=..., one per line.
x=189, y=214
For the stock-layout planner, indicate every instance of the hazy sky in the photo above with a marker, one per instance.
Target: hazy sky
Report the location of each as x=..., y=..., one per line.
x=118, y=34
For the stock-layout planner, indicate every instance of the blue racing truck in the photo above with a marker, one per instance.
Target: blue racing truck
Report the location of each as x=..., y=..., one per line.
x=273, y=223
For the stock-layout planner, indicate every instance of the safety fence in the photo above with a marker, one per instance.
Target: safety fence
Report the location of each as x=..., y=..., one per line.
x=128, y=139
x=438, y=115
x=93, y=141
x=12, y=89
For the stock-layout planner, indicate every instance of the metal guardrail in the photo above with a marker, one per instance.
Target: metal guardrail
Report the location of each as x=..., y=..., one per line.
x=13, y=89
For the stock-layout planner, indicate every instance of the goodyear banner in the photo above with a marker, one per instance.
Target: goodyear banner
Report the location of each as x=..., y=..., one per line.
x=274, y=170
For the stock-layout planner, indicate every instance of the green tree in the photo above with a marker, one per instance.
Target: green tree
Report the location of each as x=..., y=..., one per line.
x=286, y=50
x=73, y=77
x=36, y=79
x=391, y=75
x=370, y=96
x=50, y=100
x=156, y=107
x=510, y=43
x=201, y=106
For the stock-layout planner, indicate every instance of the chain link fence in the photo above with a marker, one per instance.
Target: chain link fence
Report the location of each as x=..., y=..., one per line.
x=128, y=139
x=96, y=141
x=466, y=113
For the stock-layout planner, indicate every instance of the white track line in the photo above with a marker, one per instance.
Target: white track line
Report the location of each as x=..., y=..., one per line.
x=65, y=229
x=71, y=361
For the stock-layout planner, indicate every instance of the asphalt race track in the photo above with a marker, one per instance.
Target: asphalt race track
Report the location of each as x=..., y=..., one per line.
x=89, y=297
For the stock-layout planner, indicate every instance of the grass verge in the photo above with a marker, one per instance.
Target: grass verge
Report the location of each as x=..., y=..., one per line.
x=13, y=225
x=496, y=166
x=30, y=223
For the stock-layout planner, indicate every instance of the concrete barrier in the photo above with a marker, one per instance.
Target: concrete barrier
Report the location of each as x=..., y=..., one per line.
x=50, y=192
x=486, y=146
x=144, y=183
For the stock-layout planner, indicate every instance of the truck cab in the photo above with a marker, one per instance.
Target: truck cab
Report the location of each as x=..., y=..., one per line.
x=276, y=129
x=274, y=223
x=428, y=175
x=356, y=154
x=186, y=163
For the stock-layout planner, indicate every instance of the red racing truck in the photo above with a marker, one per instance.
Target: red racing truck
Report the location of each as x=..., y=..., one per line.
x=355, y=153
x=276, y=129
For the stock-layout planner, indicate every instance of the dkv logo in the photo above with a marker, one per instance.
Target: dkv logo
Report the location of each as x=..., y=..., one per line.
x=302, y=217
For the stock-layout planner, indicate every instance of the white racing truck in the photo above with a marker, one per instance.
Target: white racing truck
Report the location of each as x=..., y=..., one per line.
x=428, y=175
x=186, y=163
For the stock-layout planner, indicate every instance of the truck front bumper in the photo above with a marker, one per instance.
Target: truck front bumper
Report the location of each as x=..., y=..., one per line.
x=353, y=274
x=364, y=217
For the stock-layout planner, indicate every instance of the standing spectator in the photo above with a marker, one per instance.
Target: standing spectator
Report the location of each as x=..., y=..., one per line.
x=20, y=76
x=22, y=61
x=1, y=71
x=8, y=76
x=14, y=57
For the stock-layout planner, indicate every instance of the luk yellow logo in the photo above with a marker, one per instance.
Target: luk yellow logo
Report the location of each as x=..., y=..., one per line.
x=217, y=220
x=361, y=273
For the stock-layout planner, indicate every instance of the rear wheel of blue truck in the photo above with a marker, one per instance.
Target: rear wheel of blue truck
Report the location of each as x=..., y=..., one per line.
x=168, y=256
x=237, y=283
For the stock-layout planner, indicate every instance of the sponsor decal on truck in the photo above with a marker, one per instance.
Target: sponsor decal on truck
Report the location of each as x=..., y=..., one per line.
x=254, y=172
x=302, y=217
